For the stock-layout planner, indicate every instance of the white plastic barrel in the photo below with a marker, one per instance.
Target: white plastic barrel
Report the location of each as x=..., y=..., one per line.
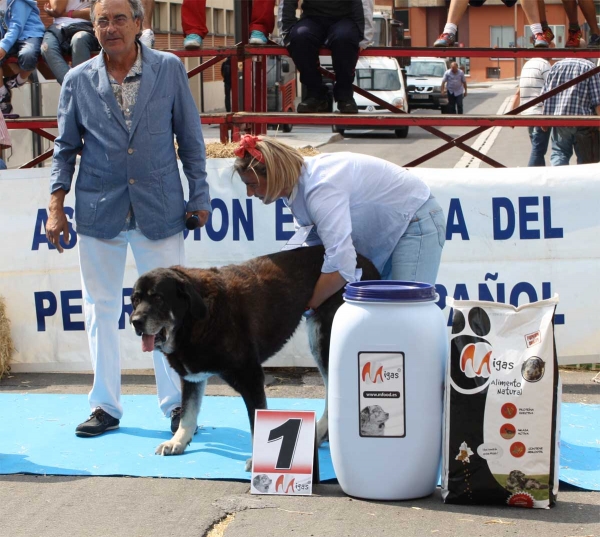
x=386, y=377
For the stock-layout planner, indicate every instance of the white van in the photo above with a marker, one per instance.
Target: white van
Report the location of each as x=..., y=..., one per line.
x=382, y=77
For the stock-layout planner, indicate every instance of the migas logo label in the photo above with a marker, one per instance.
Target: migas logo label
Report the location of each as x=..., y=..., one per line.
x=374, y=373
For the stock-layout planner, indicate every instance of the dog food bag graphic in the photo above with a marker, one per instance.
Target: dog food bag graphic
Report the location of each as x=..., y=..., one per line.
x=501, y=405
x=388, y=352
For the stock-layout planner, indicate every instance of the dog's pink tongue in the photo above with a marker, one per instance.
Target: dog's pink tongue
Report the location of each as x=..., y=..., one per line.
x=147, y=343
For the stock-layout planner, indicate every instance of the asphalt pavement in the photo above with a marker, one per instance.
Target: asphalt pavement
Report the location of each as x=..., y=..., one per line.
x=55, y=506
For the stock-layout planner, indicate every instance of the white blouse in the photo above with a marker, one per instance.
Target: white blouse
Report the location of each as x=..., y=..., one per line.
x=356, y=203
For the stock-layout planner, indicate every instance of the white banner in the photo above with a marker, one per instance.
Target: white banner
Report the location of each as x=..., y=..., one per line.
x=514, y=235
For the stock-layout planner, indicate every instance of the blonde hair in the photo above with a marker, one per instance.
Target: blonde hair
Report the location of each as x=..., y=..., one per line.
x=282, y=166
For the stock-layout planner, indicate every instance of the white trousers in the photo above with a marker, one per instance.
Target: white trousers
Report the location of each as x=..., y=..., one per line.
x=102, y=265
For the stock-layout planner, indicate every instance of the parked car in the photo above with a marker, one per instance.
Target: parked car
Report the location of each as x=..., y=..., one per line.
x=424, y=78
x=383, y=78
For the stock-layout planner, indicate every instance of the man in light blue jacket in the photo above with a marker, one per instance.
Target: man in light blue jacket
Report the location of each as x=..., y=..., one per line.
x=120, y=110
x=21, y=32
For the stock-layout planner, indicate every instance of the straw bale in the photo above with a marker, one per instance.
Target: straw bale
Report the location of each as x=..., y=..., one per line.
x=6, y=344
x=218, y=150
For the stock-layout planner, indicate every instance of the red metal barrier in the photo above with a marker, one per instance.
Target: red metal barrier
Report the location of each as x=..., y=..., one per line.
x=255, y=118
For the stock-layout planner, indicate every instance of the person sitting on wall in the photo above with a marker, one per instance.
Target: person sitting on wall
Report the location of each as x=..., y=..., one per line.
x=193, y=21
x=345, y=27
x=21, y=32
x=457, y=10
x=71, y=34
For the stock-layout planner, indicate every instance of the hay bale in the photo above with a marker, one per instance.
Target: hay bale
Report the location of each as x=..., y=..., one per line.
x=6, y=344
x=218, y=150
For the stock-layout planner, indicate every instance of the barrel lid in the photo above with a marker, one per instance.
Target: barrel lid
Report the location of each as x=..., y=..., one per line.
x=389, y=291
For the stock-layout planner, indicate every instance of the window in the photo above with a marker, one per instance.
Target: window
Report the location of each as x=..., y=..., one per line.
x=156, y=17
x=402, y=15
x=379, y=32
x=464, y=64
x=175, y=16
x=209, y=21
x=229, y=22
x=433, y=68
x=377, y=79
x=219, y=21
x=502, y=36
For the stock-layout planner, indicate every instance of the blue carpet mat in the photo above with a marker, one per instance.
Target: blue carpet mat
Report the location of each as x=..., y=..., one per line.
x=580, y=445
x=37, y=437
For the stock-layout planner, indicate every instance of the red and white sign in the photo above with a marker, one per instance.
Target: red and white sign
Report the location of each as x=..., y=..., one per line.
x=283, y=452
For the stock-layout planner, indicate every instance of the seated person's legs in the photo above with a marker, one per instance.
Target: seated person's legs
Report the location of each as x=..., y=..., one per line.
x=27, y=52
x=147, y=37
x=343, y=39
x=306, y=37
x=52, y=53
x=193, y=22
x=82, y=46
x=262, y=21
x=455, y=12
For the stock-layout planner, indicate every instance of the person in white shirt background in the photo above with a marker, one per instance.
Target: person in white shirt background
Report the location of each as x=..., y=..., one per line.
x=357, y=203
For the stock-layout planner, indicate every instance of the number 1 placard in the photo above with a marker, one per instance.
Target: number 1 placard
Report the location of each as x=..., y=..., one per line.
x=283, y=452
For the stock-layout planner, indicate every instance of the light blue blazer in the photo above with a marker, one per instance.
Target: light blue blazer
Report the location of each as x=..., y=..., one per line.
x=120, y=168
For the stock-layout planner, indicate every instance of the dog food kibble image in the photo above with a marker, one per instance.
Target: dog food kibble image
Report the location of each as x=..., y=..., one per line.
x=502, y=387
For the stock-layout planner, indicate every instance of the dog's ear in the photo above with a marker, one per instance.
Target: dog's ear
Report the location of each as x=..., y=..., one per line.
x=196, y=305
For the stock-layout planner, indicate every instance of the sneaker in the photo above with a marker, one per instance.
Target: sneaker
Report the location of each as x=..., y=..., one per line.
x=594, y=41
x=257, y=38
x=98, y=423
x=11, y=82
x=445, y=40
x=176, y=418
x=192, y=42
x=147, y=38
x=574, y=39
x=541, y=41
x=548, y=34
x=5, y=103
x=312, y=105
x=347, y=106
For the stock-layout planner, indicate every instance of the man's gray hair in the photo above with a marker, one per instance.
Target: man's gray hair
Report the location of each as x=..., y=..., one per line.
x=137, y=9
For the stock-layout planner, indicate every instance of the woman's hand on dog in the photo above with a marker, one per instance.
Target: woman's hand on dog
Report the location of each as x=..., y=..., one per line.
x=202, y=217
x=57, y=220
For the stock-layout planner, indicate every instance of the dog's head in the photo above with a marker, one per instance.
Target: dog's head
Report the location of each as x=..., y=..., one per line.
x=161, y=300
x=516, y=475
x=374, y=415
x=262, y=482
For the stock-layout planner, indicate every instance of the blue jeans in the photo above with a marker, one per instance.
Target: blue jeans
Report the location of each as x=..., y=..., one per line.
x=417, y=255
x=27, y=52
x=539, y=146
x=2, y=164
x=563, y=143
x=81, y=47
x=455, y=103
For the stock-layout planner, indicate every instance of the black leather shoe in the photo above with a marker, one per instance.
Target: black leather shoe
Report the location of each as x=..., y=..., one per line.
x=312, y=105
x=347, y=106
x=98, y=423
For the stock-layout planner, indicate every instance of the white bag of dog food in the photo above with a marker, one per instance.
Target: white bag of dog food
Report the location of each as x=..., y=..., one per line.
x=502, y=401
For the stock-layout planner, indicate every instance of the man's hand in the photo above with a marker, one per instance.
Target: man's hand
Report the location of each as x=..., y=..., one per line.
x=202, y=217
x=57, y=220
x=2, y=53
x=465, y=93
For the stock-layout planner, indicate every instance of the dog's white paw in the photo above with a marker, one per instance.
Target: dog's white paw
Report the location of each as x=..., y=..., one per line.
x=249, y=465
x=171, y=447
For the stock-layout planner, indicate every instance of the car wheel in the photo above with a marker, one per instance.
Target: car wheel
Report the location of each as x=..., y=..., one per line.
x=337, y=129
x=287, y=127
x=402, y=133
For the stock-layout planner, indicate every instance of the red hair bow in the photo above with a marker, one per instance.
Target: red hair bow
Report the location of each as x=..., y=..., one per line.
x=248, y=144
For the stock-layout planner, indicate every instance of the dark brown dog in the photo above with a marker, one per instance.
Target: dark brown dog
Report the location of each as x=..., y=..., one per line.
x=228, y=321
